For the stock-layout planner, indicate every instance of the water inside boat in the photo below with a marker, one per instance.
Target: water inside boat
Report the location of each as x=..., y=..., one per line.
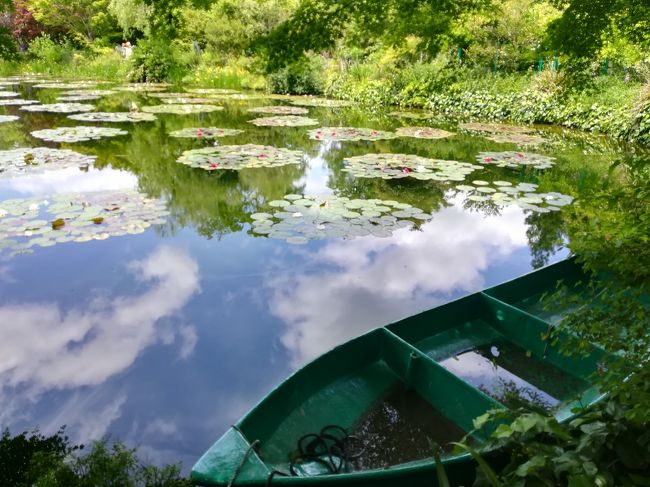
x=400, y=428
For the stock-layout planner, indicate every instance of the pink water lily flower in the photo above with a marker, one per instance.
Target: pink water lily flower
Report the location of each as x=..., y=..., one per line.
x=487, y=159
x=213, y=165
x=406, y=170
x=519, y=154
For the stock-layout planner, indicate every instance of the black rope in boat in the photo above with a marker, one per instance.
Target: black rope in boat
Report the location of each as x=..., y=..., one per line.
x=332, y=447
x=238, y=470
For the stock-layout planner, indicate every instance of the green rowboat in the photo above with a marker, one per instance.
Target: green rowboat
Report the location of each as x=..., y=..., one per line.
x=368, y=411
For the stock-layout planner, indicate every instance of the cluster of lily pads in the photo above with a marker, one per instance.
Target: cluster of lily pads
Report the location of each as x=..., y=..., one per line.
x=182, y=109
x=523, y=194
x=77, y=134
x=349, y=134
x=180, y=100
x=80, y=217
x=502, y=133
x=16, y=102
x=143, y=88
x=396, y=166
x=412, y=115
x=67, y=86
x=8, y=94
x=77, y=98
x=299, y=219
x=239, y=157
x=8, y=118
x=423, y=132
x=204, y=133
x=284, y=121
x=320, y=102
x=514, y=160
x=59, y=108
x=113, y=117
x=279, y=110
x=89, y=92
x=18, y=162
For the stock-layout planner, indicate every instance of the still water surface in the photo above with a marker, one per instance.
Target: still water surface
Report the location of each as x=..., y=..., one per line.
x=165, y=338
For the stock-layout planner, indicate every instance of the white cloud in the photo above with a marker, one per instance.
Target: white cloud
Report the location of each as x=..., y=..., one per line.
x=72, y=180
x=45, y=348
x=370, y=282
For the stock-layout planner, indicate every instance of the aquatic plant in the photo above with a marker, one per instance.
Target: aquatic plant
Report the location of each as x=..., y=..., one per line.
x=204, y=133
x=397, y=166
x=113, y=117
x=77, y=134
x=75, y=217
x=514, y=160
x=18, y=162
x=284, y=121
x=423, y=132
x=239, y=157
x=349, y=134
x=299, y=219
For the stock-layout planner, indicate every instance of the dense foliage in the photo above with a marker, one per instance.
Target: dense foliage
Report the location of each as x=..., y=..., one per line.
x=33, y=459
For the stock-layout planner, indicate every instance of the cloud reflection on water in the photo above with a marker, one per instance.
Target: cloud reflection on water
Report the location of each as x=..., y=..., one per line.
x=71, y=180
x=43, y=348
x=369, y=282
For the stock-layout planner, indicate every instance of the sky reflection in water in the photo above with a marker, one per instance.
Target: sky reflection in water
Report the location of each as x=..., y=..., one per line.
x=166, y=338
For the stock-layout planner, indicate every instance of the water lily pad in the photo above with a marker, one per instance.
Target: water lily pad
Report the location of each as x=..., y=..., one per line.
x=8, y=118
x=67, y=86
x=77, y=134
x=77, y=98
x=143, y=87
x=423, y=132
x=412, y=115
x=8, y=94
x=522, y=194
x=5, y=102
x=240, y=156
x=519, y=139
x=43, y=222
x=320, y=102
x=495, y=128
x=205, y=133
x=60, y=108
x=89, y=93
x=515, y=160
x=349, y=134
x=18, y=162
x=396, y=166
x=237, y=97
x=114, y=117
x=304, y=218
x=181, y=109
x=180, y=100
x=284, y=121
x=279, y=110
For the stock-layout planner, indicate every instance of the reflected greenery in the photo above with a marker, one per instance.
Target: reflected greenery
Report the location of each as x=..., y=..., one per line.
x=219, y=202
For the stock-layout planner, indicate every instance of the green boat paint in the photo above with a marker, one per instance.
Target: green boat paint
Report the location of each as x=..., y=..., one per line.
x=396, y=386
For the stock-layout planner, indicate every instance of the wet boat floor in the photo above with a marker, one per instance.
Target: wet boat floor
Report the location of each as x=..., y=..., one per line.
x=402, y=427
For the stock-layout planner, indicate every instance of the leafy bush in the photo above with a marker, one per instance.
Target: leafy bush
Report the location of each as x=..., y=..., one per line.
x=303, y=77
x=32, y=459
x=50, y=52
x=152, y=61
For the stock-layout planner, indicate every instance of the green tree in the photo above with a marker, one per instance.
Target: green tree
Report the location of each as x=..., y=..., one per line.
x=88, y=18
x=318, y=25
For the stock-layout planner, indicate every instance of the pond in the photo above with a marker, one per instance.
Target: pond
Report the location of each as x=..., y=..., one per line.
x=156, y=301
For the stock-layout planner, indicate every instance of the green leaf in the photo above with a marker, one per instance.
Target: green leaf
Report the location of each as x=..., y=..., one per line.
x=487, y=470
